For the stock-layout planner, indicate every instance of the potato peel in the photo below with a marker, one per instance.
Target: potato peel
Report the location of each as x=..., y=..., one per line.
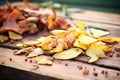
x=99, y=51
x=80, y=25
x=43, y=60
x=98, y=32
x=3, y=38
x=60, y=47
x=24, y=50
x=68, y=44
x=95, y=51
x=80, y=45
x=86, y=39
x=30, y=43
x=36, y=52
x=68, y=54
x=59, y=33
x=92, y=55
x=14, y=36
x=110, y=40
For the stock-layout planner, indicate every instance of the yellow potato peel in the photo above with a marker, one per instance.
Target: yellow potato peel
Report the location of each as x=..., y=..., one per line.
x=43, y=60
x=3, y=38
x=98, y=32
x=80, y=45
x=35, y=52
x=110, y=40
x=68, y=54
x=86, y=39
x=80, y=25
x=14, y=36
x=95, y=51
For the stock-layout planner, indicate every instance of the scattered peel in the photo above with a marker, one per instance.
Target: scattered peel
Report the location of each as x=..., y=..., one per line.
x=98, y=32
x=79, y=45
x=92, y=55
x=95, y=51
x=59, y=47
x=110, y=40
x=30, y=43
x=59, y=33
x=14, y=36
x=43, y=60
x=3, y=38
x=80, y=25
x=24, y=50
x=99, y=51
x=35, y=52
x=86, y=39
x=68, y=54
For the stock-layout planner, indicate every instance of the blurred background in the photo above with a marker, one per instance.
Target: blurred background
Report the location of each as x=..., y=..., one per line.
x=112, y=6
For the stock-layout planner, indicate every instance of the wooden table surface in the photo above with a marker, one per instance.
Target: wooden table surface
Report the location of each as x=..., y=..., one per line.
x=106, y=69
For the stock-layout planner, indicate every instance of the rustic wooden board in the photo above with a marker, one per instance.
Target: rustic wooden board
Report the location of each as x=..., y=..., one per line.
x=114, y=29
x=97, y=17
x=10, y=73
x=70, y=72
x=59, y=69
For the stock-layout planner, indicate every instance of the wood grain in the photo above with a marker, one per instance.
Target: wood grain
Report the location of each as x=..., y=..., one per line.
x=97, y=17
x=58, y=69
x=114, y=29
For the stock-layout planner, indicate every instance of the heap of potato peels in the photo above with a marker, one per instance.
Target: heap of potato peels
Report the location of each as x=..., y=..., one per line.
x=66, y=41
x=17, y=20
x=69, y=44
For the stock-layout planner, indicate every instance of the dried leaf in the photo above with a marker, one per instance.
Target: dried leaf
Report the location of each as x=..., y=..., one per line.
x=14, y=35
x=68, y=54
x=35, y=52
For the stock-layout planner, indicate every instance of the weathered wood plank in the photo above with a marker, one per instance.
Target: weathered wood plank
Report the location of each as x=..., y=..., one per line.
x=97, y=17
x=10, y=73
x=59, y=69
x=105, y=62
x=108, y=21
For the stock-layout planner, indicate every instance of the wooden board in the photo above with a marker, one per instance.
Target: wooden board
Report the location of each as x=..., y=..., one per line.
x=114, y=29
x=97, y=17
x=59, y=69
